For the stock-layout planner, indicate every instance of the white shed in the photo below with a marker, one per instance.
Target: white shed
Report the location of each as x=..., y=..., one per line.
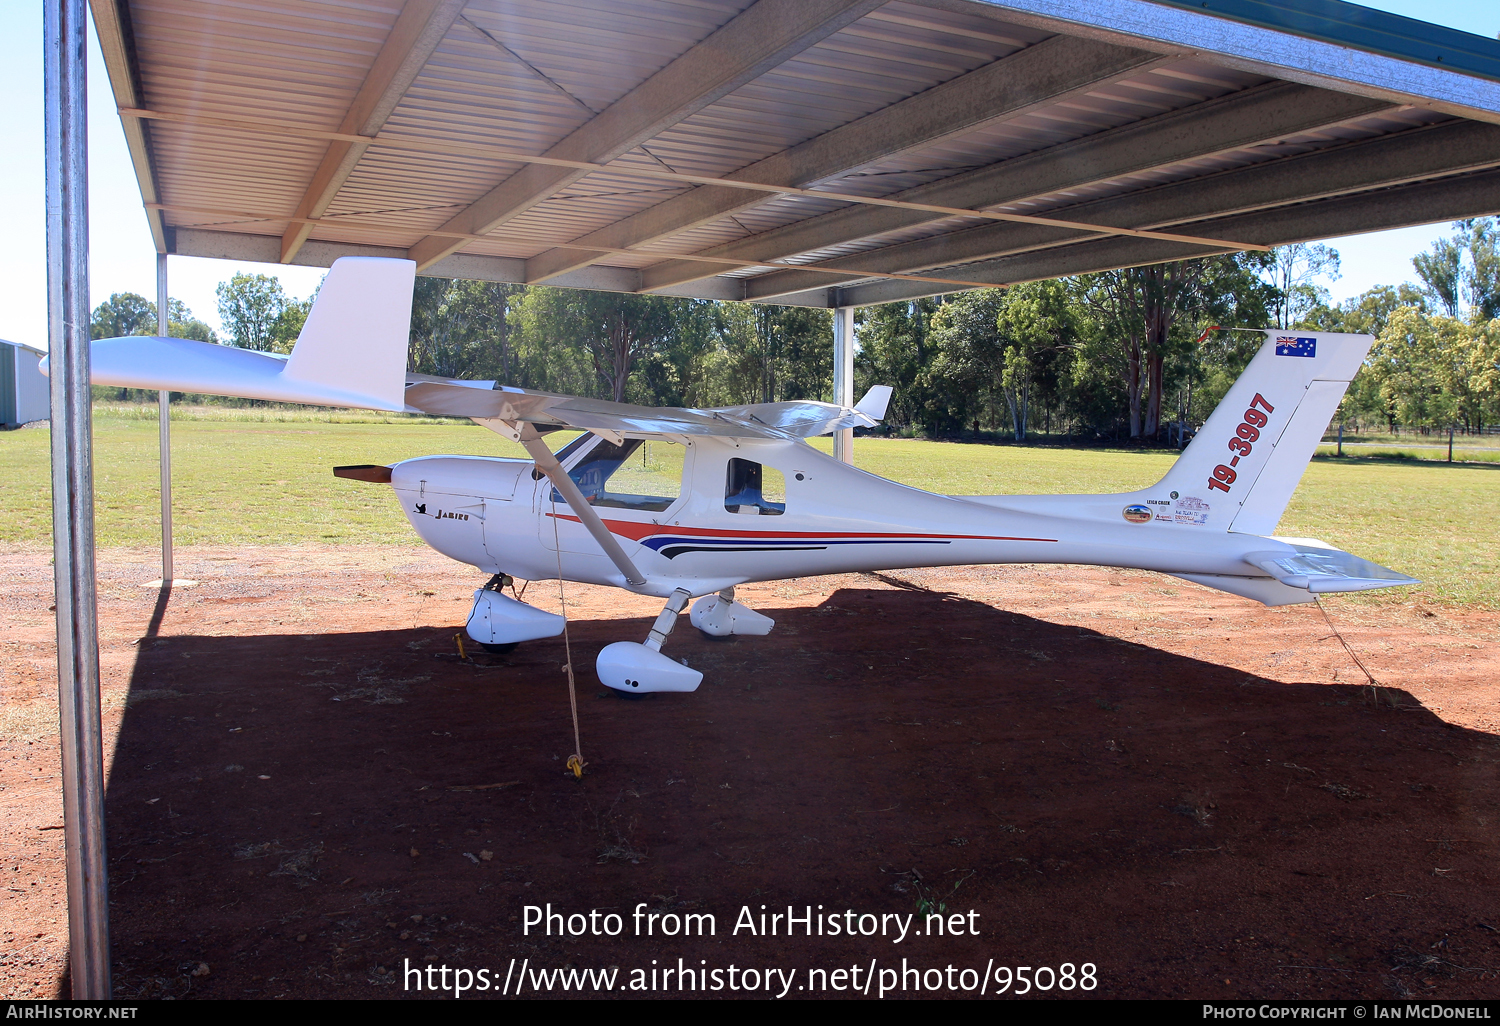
x=24, y=390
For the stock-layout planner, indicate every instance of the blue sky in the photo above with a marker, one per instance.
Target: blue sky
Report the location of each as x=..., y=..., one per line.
x=122, y=258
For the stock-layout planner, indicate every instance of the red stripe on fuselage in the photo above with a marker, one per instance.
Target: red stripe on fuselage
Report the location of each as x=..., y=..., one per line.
x=635, y=532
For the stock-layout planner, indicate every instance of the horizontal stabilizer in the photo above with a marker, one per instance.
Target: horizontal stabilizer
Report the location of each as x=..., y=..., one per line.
x=1266, y=590
x=1324, y=570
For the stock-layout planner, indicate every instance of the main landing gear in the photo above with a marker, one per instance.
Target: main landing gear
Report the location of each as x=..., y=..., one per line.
x=636, y=669
x=498, y=623
x=720, y=616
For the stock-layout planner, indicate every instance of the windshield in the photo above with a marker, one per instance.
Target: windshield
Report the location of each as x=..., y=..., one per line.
x=637, y=475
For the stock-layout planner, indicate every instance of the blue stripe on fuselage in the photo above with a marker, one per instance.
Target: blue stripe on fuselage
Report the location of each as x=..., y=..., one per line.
x=681, y=543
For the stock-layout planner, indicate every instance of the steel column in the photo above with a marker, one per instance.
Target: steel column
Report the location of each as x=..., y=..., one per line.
x=164, y=419
x=843, y=377
x=65, y=42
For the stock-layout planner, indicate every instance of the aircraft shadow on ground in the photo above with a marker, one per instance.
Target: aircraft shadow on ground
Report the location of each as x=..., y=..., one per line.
x=887, y=750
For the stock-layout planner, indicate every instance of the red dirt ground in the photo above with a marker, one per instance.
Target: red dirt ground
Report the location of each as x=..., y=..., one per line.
x=1191, y=792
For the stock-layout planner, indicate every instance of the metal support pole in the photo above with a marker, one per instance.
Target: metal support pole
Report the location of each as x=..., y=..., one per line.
x=164, y=419
x=843, y=377
x=65, y=42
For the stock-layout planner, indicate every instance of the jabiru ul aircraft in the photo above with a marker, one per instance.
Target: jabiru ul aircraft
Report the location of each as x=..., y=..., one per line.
x=686, y=504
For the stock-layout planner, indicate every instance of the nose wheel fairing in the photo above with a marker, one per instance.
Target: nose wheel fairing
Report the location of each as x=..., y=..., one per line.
x=498, y=619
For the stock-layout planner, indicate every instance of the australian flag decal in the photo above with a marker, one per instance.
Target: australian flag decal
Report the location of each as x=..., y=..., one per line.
x=1286, y=345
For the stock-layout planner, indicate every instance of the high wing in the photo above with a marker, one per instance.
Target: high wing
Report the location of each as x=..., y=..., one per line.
x=548, y=410
x=807, y=419
x=519, y=414
x=352, y=352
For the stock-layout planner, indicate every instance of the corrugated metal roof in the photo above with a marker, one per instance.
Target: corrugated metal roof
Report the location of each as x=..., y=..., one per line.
x=474, y=134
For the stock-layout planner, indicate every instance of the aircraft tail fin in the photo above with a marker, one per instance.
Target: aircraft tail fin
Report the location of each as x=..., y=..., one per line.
x=1250, y=454
x=352, y=350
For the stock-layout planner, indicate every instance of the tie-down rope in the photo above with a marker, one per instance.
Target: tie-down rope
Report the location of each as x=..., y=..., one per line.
x=1375, y=685
x=575, y=761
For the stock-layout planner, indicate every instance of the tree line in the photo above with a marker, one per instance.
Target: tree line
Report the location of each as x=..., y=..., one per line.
x=1140, y=354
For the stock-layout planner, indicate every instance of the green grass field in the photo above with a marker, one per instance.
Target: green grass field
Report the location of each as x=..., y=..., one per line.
x=263, y=477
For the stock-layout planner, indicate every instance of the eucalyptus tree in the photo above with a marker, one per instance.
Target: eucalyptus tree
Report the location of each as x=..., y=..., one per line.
x=894, y=348
x=1293, y=272
x=461, y=329
x=961, y=384
x=250, y=305
x=611, y=330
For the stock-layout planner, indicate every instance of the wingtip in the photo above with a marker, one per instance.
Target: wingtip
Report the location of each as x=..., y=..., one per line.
x=874, y=403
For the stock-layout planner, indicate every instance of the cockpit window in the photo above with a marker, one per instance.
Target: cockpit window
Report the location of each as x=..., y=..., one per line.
x=565, y=453
x=573, y=446
x=637, y=475
x=754, y=489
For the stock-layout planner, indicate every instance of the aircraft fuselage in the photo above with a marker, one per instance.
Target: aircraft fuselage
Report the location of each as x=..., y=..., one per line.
x=494, y=514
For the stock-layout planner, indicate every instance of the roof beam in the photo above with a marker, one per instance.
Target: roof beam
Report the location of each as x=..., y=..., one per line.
x=1418, y=203
x=1454, y=147
x=418, y=30
x=1472, y=195
x=1280, y=54
x=634, y=173
x=117, y=46
x=757, y=40
x=1046, y=73
x=223, y=245
x=1251, y=116
x=223, y=218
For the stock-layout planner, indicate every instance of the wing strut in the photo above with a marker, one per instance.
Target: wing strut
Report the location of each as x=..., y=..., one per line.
x=547, y=463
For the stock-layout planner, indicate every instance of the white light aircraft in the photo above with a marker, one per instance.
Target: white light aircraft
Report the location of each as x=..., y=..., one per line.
x=686, y=504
